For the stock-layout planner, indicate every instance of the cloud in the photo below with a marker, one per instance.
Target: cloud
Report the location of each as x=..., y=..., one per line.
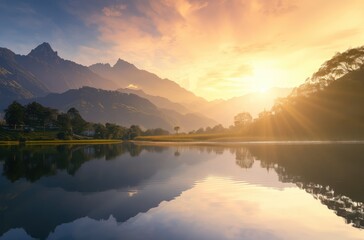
x=187, y=40
x=115, y=11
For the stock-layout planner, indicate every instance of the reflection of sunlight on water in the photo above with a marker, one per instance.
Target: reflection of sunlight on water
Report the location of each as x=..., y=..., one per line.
x=131, y=193
x=222, y=208
x=203, y=193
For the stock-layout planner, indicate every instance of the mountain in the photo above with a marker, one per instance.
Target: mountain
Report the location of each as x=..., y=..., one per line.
x=161, y=102
x=126, y=109
x=15, y=81
x=327, y=105
x=57, y=74
x=126, y=75
x=223, y=111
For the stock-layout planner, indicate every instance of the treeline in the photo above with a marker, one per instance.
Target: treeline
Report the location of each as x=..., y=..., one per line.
x=329, y=105
x=36, y=117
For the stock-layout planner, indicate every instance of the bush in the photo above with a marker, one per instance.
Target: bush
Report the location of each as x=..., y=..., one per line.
x=63, y=136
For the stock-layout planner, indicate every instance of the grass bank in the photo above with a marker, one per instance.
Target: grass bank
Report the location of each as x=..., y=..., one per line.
x=231, y=138
x=56, y=142
x=221, y=137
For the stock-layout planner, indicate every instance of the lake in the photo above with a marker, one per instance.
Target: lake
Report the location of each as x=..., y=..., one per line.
x=128, y=191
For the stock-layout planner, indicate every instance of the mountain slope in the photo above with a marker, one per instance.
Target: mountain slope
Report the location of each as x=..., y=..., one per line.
x=57, y=74
x=126, y=75
x=160, y=102
x=103, y=106
x=15, y=81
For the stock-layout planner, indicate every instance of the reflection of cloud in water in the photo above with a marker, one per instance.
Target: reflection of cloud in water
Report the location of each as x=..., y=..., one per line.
x=221, y=208
x=131, y=193
x=199, y=194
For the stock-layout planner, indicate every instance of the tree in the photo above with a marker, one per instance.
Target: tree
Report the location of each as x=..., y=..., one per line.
x=132, y=132
x=14, y=114
x=38, y=115
x=200, y=131
x=115, y=131
x=156, y=132
x=77, y=122
x=100, y=131
x=243, y=119
x=64, y=122
x=176, y=128
x=218, y=128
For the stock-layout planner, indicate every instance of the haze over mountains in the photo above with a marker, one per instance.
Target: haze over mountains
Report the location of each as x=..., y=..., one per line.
x=164, y=103
x=125, y=109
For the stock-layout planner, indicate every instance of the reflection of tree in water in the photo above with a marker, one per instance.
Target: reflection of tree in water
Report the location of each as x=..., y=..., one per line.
x=34, y=162
x=244, y=158
x=343, y=206
x=330, y=173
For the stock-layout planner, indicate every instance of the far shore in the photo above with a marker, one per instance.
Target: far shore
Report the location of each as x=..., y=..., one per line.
x=49, y=142
x=237, y=139
x=185, y=139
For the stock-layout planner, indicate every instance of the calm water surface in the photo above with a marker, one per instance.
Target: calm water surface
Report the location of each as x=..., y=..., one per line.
x=127, y=191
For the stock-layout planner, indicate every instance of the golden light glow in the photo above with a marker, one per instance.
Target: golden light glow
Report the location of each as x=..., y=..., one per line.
x=220, y=49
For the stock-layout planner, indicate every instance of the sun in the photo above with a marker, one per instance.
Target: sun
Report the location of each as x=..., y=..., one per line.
x=263, y=89
x=264, y=78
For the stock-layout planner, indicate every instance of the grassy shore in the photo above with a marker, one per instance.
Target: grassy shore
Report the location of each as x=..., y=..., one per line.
x=49, y=142
x=11, y=137
x=221, y=137
x=229, y=137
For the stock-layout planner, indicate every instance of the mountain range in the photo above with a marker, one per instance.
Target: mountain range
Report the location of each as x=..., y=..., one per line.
x=126, y=75
x=42, y=72
x=102, y=106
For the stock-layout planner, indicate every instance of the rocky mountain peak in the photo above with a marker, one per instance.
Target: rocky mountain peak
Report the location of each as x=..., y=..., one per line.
x=44, y=52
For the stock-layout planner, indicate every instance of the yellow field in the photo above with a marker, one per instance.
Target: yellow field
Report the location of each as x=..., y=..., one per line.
x=221, y=137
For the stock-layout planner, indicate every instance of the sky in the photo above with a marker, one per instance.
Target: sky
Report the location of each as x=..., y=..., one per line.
x=215, y=48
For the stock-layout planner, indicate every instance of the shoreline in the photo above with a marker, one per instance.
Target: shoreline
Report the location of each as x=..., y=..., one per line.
x=186, y=142
x=55, y=142
x=236, y=143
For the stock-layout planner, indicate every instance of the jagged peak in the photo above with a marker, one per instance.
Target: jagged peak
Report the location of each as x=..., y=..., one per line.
x=123, y=64
x=100, y=66
x=44, y=51
x=4, y=52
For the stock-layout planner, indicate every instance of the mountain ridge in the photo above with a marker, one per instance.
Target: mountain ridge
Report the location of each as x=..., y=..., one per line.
x=98, y=105
x=127, y=75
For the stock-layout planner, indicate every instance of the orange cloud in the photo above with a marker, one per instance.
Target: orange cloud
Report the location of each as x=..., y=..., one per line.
x=281, y=42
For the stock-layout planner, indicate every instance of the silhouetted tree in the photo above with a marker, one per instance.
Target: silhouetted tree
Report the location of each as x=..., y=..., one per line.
x=133, y=132
x=14, y=114
x=38, y=115
x=243, y=119
x=115, y=131
x=176, y=128
x=77, y=122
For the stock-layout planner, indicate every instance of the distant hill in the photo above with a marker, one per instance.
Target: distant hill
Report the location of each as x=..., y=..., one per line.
x=15, y=81
x=126, y=75
x=103, y=106
x=223, y=111
x=57, y=74
x=328, y=105
x=160, y=102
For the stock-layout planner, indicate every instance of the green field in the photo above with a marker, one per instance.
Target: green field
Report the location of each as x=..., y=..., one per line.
x=46, y=137
x=12, y=135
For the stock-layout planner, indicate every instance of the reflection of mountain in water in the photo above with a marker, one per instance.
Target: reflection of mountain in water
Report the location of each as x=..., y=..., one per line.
x=53, y=185
x=43, y=187
x=331, y=173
